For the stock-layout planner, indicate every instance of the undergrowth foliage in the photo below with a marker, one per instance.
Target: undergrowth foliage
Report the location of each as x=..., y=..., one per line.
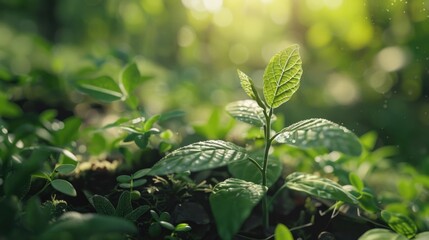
x=38, y=161
x=233, y=200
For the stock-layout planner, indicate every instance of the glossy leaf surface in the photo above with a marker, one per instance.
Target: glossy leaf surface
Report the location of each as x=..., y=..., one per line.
x=199, y=156
x=282, y=76
x=320, y=133
x=319, y=187
x=247, y=111
x=232, y=202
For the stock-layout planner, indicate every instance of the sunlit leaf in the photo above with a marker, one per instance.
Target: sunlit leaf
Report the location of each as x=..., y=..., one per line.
x=381, y=234
x=319, y=187
x=232, y=202
x=400, y=223
x=65, y=168
x=102, y=88
x=282, y=233
x=246, y=170
x=356, y=181
x=282, y=76
x=199, y=156
x=64, y=187
x=250, y=89
x=78, y=225
x=247, y=111
x=320, y=133
x=422, y=236
x=130, y=78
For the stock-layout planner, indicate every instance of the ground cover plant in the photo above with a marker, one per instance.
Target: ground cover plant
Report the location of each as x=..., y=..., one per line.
x=210, y=189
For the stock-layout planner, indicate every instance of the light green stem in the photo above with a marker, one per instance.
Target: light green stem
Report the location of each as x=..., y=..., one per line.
x=268, y=141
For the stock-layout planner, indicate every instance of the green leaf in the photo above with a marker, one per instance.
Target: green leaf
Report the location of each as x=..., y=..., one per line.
x=182, y=227
x=137, y=213
x=318, y=133
x=65, y=168
x=282, y=233
x=64, y=187
x=319, y=187
x=141, y=173
x=232, y=202
x=142, y=140
x=422, y=236
x=356, y=181
x=130, y=78
x=149, y=123
x=78, y=225
x=381, y=234
x=246, y=83
x=68, y=133
x=246, y=170
x=139, y=182
x=124, y=206
x=199, y=156
x=102, y=88
x=36, y=217
x=123, y=178
x=282, y=76
x=125, y=185
x=167, y=225
x=102, y=205
x=248, y=86
x=400, y=223
x=247, y=111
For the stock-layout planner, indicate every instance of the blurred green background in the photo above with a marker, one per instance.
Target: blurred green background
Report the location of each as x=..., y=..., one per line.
x=366, y=63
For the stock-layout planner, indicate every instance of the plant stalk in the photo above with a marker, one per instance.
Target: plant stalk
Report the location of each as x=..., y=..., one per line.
x=268, y=141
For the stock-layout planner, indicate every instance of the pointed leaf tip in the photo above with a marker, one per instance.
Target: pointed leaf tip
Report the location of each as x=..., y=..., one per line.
x=282, y=76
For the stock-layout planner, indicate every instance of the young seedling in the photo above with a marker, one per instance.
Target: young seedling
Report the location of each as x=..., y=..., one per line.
x=232, y=200
x=132, y=181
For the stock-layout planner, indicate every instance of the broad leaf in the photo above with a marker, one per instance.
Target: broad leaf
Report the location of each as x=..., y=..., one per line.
x=102, y=88
x=102, y=205
x=422, y=236
x=232, y=202
x=282, y=233
x=246, y=170
x=282, y=76
x=124, y=206
x=319, y=187
x=64, y=187
x=199, y=156
x=77, y=225
x=247, y=111
x=381, y=234
x=320, y=133
x=140, y=173
x=400, y=223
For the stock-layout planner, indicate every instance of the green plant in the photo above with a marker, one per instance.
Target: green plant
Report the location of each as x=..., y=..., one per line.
x=162, y=221
x=233, y=199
